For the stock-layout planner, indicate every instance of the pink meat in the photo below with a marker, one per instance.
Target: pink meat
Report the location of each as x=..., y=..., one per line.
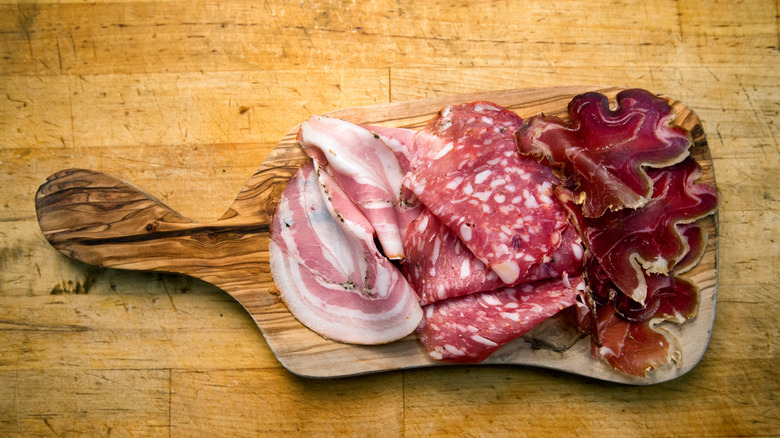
x=439, y=266
x=368, y=170
x=399, y=140
x=466, y=170
x=470, y=328
x=603, y=152
x=328, y=270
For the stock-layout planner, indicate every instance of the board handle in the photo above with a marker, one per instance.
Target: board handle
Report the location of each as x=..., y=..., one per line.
x=103, y=221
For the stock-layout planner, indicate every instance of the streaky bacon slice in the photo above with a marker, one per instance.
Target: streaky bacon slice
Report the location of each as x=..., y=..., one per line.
x=328, y=270
x=602, y=152
x=439, y=266
x=367, y=169
x=465, y=168
x=627, y=242
x=470, y=328
x=399, y=140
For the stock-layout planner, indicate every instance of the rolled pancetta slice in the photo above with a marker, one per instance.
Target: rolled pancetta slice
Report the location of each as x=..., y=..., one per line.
x=368, y=171
x=328, y=270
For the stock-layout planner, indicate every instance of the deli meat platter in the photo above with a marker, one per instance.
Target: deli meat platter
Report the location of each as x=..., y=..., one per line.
x=103, y=221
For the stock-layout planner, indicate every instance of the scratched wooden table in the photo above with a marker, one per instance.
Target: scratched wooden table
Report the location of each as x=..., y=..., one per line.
x=185, y=99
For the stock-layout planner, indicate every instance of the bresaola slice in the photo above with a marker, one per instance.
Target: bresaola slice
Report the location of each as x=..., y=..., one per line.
x=328, y=270
x=439, y=266
x=470, y=328
x=627, y=243
x=367, y=169
x=602, y=152
x=466, y=170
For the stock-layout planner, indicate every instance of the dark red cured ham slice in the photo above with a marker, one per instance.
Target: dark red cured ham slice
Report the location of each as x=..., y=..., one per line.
x=470, y=328
x=627, y=335
x=603, y=152
x=633, y=347
x=465, y=168
x=329, y=272
x=367, y=169
x=628, y=243
x=439, y=266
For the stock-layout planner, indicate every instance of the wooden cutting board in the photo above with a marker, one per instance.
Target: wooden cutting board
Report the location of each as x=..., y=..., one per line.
x=103, y=221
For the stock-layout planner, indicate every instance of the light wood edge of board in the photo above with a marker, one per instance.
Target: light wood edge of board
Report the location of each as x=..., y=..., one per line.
x=307, y=354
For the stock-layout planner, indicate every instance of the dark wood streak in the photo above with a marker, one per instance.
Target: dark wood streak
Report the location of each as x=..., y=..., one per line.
x=101, y=220
x=213, y=232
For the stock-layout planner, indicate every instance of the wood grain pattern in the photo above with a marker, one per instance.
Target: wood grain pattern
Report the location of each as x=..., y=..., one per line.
x=103, y=221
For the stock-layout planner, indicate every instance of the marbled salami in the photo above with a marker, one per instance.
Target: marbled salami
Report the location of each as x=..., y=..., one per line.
x=466, y=169
x=470, y=328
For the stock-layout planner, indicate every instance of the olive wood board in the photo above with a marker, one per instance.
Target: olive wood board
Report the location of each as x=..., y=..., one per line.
x=101, y=220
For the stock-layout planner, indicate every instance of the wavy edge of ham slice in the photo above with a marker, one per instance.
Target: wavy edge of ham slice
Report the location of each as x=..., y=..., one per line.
x=605, y=175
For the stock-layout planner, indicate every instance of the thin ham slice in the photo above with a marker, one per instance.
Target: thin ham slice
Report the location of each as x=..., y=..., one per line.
x=627, y=335
x=628, y=243
x=470, y=328
x=368, y=170
x=633, y=347
x=439, y=266
x=603, y=153
x=466, y=170
x=328, y=270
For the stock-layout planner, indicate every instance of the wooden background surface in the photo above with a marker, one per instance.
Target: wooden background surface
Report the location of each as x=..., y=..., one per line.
x=185, y=99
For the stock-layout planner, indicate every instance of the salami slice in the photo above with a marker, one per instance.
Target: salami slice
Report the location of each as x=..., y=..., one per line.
x=439, y=266
x=466, y=169
x=468, y=329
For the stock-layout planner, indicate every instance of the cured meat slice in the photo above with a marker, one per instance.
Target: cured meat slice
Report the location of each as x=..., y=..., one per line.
x=465, y=168
x=439, y=266
x=470, y=328
x=633, y=347
x=328, y=270
x=603, y=152
x=627, y=243
x=627, y=335
x=399, y=140
x=669, y=297
x=367, y=169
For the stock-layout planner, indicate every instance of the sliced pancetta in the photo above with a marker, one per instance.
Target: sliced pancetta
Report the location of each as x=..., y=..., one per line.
x=602, y=152
x=328, y=270
x=367, y=169
x=399, y=140
x=470, y=328
x=466, y=170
